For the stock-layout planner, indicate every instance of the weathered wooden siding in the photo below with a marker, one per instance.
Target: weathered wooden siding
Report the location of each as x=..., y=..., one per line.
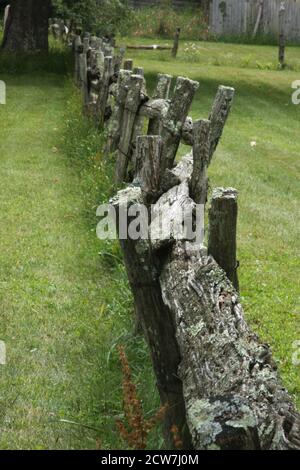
x=237, y=17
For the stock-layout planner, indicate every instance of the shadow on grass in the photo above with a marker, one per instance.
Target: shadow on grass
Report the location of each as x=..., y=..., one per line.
x=58, y=60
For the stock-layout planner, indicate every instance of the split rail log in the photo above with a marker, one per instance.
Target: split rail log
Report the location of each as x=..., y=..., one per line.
x=157, y=47
x=152, y=47
x=218, y=380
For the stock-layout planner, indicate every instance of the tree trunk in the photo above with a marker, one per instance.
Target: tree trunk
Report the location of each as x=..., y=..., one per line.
x=27, y=27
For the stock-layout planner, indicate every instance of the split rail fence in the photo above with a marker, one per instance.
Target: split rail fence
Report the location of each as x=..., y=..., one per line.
x=218, y=380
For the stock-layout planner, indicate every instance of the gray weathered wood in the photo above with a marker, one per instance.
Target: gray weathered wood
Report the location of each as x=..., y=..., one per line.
x=167, y=216
x=132, y=103
x=176, y=43
x=148, y=169
x=223, y=231
x=116, y=120
x=138, y=71
x=156, y=322
x=187, y=132
x=83, y=72
x=93, y=42
x=77, y=51
x=201, y=148
x=139, y=123
x=282, y=40
x=172, y=123
x=219, y=114
x=86, y=44
x=258, y=19
x=100, y=62
x=153, y=47
x=161, y=91
x=128, y=64
x=104, y=90
x=238, y=17
x=163, y=85
x=233, y=395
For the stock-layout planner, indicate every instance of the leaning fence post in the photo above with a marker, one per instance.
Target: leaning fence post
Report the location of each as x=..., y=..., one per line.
x=201, y=147
x=173, y=122
x=176, y=43
x=222, y=231
x=219, y=114
x=281, y=55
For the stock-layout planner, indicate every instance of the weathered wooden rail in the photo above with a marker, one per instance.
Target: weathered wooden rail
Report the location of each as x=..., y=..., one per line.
x=156, y=47
x=219, y=381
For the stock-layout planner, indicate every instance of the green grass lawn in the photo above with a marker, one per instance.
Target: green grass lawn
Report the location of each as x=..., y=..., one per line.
x=217, y=53
x=63, y=308
x=64, y=298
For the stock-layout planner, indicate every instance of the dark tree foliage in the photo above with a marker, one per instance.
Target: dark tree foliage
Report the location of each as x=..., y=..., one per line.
x=101, y=17
x=27, y=26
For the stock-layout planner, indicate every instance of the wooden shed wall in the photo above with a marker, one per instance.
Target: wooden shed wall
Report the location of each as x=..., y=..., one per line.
x=237, y=17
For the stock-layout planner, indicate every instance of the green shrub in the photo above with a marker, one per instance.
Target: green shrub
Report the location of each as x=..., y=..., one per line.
x=102, y=17
x=162, y=21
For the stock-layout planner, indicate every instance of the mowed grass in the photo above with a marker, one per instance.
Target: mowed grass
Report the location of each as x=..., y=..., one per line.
x=218, y=54
x=267, y=177
x=64, y=301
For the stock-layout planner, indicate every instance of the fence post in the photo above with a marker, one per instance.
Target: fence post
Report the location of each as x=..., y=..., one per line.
x=222, y=231
x=148, y=165
x=115, y=122
x=219, y=114
x=77, y=51
x=128, y=64
x=157, y=324
x=104, y=90
x=282, y=40
x=83, y=71
x=162, y=91
x=201, y=147
x=176, y=43
x=132, y=104
x=173, y=122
